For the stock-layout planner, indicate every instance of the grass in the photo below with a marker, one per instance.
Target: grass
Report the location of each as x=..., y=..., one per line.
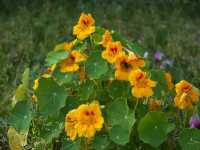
x=30, y=29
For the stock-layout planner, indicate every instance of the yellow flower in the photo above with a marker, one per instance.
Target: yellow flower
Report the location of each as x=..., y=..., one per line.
x=70, y=123
x=84, y=121
x=186, y=95
x=36, y=84
x=71, y=63
x=90, y=119
x=154, y=105
x=126, y=64
x=34, y=98
x=142, y=85
x=68, y=46
x=49, y=71
x=107, y=38
x=85, y=26
x=168, y=78
x=112, y=52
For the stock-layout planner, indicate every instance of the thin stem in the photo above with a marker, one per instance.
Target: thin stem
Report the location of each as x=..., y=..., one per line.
x=86, y=144
x=185, y=118
x=136, y=105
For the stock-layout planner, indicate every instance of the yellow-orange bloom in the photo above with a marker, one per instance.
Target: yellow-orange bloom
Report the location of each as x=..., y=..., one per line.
x=34, y=98
x=70, y=124
x=49, y=71
x=154, y=105
x=68, y=46
x=142, y=85
x=125, y=64
x=71, y=63
x=82, y=74
x=90, y=119
x=168, y=78
x=107, y=38
x=85, y=26
x=113, y=51
x=84, y=121
x=36, y=84
x=186, y=95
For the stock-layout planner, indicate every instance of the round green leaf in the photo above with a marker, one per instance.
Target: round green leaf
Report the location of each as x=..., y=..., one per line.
x=154, y=127
x=85, y=90
x=67, y=144
x=21, y=90
x=21, y=116
x=54, y=57
x=51, y=130
x=119, y=89
x=62, y=78
x=119, y=135
x=100, y=142
x=96, y=66
x=112, y=111
x=51, y=96
x=120, y=118
x=59, y=46
x=190, y=139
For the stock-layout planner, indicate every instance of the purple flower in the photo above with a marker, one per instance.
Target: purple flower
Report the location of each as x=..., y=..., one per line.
x=195, y=122
x=158, y=56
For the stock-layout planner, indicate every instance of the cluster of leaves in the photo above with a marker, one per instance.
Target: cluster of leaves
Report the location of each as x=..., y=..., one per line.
x=128, y=125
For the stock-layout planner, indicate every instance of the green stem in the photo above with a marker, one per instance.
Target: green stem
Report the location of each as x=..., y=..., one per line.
x=86, y=144
x=185, y=118
x=136, y=105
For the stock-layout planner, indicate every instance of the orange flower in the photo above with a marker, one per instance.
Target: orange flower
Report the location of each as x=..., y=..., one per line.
x=84, y=121
x=126, y=64
x=107, y=38
x=85, y=26
x=113, y=50
x=90, y=119
x=70, y=123
x=186, y=95
x=34, y=98
x=68, y=46
x=142, y=85
x=49, y=71
x=82, y=74
x=168, y=78
x=71, y=63
x=154, y=105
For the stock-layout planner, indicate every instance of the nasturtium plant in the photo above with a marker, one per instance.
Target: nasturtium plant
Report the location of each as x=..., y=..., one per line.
x=99, y=92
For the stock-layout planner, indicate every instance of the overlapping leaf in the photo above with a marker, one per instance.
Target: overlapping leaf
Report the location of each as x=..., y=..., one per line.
x=21, y=116
x=21, y=90
x=154, y=127
x=95, y=65
x=121, y=120
x=54, y=57
x=51, y=96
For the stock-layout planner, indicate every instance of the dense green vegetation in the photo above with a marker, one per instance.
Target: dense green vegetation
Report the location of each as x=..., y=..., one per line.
x=28, y=30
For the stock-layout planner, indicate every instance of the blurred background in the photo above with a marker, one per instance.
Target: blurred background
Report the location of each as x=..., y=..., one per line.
x=30, y=29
